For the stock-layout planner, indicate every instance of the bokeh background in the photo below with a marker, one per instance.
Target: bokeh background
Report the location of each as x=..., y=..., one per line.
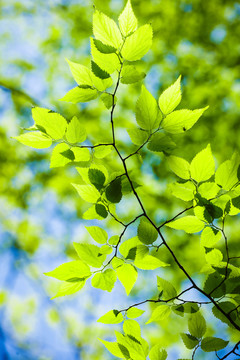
x=40, y=214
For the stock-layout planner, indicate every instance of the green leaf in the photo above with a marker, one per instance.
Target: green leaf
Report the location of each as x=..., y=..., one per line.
x=157, y=353
x=179, y=166
x=107, y=62
x=132, y=248
x=97, y=178
x=214, y=256
x=87, y=192
x=114, y=191
x=137, y=44
x=106, y=30
x=208, y=190
x=127, y=20
x=81, y=154
x=213, y=281
x=171, y=97
x=213, y=344
x=79, y=94
x=98, y=234
x=227, y=307
x=210, y=236
x=61, y=155
x=184, y=191
x=34, y=139
x=111, y=317
x=189, y=341
x=134, y=312
x=70, y=270
x=105, y=249
x=102, y=151
x=70, y=287
x=203, y=166
x=102, y=74
x=167, y=289
x=149, y=262
x=131, y=75
x=138, y=136
x=160, y=142
x=107, y=99
x=180, y=121
x=89, y=254
x=227, y=173
x=131, y=327
x=159, y=313
x=113, y=240
x=127, y=275
x=190, y=224
x=197, y=325
x=147, y=110
x=75, y=133
x=104, y=49
x=147, y=234
x=133, y=348
x=114, y=348
x=101, y=210
x=54, y=124
x=81, y=74
x=104, y=280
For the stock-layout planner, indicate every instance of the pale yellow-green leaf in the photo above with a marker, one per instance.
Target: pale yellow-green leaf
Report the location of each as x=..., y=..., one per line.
x=57, y=158
x=107, y=62
x=209, y=237
x=157, y=353
x=69, y=288
x=134, y=312
x=127, y=275
x=190, y=224
x=113, y=348
x=227, y=173
x=127, y=20
x=137, y=44
x=208, y=190
x=106, y=30
x=89, y=254
x=76, y=133
x=159, y=313
x=202, y=166
x=184, y=191
x=111, y=317
x=131, y=327
x=179, y=166
x=81, y=154
x=98, y=234
x=149, y=262
x=171, y=97
x=214, y=257
x=181, y=120
x=105, y=280
x=78, y=94
x=34, y=139
x=54, y=124
x=70, y=270
x=101, y=152
x=87, y=192
x=81, y=74
x=146, y=110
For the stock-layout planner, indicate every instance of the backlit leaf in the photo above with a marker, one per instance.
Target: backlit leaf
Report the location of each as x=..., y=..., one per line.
x=171, y=97
x=137, y=44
